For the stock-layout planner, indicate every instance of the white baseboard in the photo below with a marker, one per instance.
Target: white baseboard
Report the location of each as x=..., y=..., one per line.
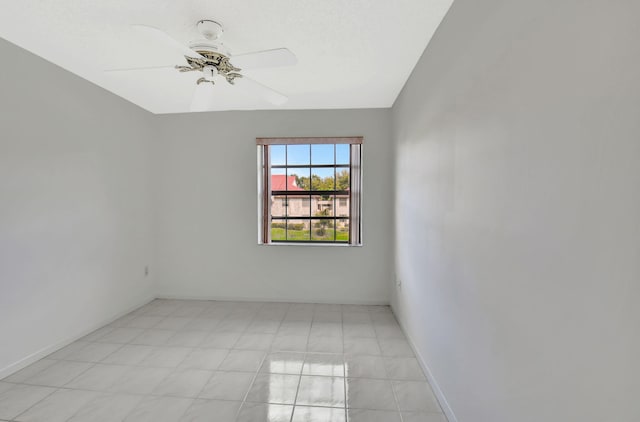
x=273, y=300
x=444, y=404
x=34, y=357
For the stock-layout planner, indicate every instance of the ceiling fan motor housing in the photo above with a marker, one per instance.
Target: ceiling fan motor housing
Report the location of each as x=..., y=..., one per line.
x=213, y=57
x=208, y=46
x=210, y=29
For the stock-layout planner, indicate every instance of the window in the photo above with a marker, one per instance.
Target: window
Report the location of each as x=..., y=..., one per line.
x=309, y=190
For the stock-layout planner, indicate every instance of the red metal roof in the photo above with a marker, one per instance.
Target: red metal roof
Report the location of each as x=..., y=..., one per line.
x=282, y=182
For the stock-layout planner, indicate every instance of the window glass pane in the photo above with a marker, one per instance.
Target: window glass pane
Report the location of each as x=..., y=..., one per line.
x=278, y=206
x=343, y=180
x=298, y=154
x=323, y=206
x=343, y=154
x=299, y=206
x=298, y=179
x=277, y=155
x=322, y=230
x=342, y=230
x=278, y=177
x=278, y=231
x=342, y=206
x=322, y=154
x=322, y=179
x=298, y=230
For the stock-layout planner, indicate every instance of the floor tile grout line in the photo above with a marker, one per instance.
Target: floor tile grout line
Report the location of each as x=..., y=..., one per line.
x=36, y=403
x=295, y=398
x=173, y=370
x=344, y=369
x=306, y=346
x=304, y=361
x=244, y=399
x=231, y=370
x=395, y=396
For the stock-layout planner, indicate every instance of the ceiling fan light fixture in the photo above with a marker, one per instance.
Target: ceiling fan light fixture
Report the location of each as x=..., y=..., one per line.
x=209, y=72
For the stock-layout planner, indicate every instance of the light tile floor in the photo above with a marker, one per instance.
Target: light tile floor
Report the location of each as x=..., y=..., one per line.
x=179, y=361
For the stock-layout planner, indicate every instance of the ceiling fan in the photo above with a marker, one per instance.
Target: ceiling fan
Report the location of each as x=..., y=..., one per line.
x=212, y=60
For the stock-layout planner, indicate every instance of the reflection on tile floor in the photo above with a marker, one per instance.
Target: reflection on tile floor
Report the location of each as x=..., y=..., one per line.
x=179, y=361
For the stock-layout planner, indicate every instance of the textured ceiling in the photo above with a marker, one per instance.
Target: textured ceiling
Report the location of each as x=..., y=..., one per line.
x=351, y=53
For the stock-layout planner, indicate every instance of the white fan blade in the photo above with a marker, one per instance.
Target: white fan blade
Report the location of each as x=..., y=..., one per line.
x=278, y=57
x=159, y=35
x=257, y=89
x=203, y=97
x=136, y=69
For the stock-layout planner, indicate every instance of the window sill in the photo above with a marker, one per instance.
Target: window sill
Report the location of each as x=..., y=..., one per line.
x=331, y=245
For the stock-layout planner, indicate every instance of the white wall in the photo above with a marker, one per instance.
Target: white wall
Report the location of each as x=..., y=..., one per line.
x=74, y=207
x=77, y=229
x=518, y=210
x=206, y=205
